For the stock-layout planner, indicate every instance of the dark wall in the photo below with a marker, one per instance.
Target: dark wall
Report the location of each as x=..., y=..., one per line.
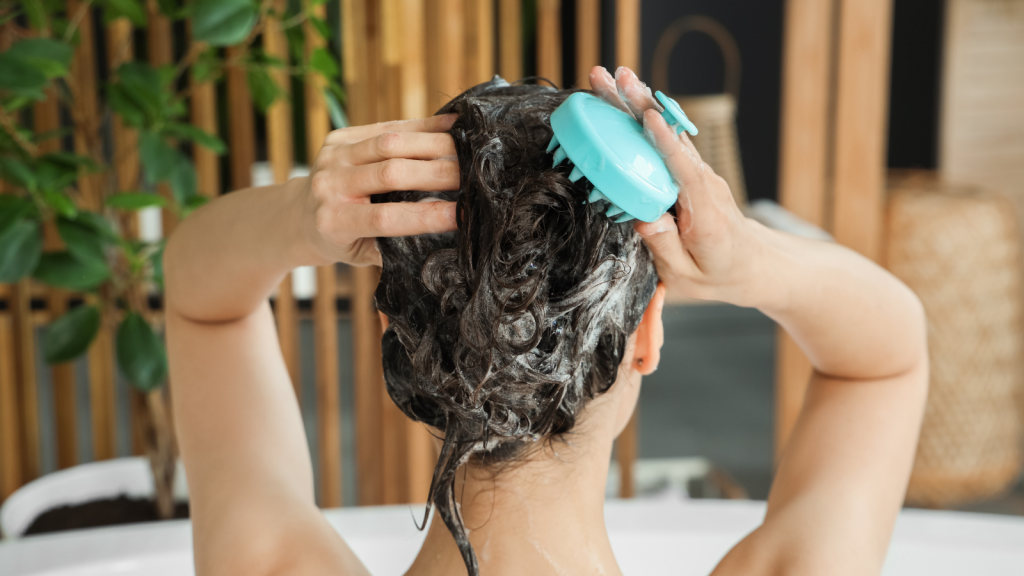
x=916, y=74
x=696, y=67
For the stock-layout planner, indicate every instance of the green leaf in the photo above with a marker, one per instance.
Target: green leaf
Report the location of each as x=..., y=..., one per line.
x=184, y=131
x=21, y=77
x=157, y=157
x=60, y=203
x=322, y=27
x=130, y=9
x=82, y=242
x=63, y=270
x=20, y=246
x=140, y=353
x=69, y=336
x=49, y=56
x=12, y=209
x=142, y=94
x=263, y=88
x=207, y=66
x=35, y=12
x=192, y=204
x=223, y=22
x=98, y=224
x=135, y=201
x=183, y=179
x=323, y=62
x=13, y=170
x=296, y=42
x=337, y=113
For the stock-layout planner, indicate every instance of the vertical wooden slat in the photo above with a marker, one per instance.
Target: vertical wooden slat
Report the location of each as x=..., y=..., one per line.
x=414, y=60
x=281, y=155
x=85, y=110
x=325, y=316
x=204, y=115
x=627, y=34
x=862, y=114
x=804, y=168
x=627, y=53
x=366, y=349
x=27, y=379
x=510, y=38
x=10, y=418
x=160, y=50
x=446, y=78
x=479, y=41
x=121, y=49
x=241, y=132
x=46, y=119
x=588, y=39
x=549, y=40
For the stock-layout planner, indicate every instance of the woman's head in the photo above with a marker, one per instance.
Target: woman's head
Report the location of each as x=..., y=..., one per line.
x=500, y=333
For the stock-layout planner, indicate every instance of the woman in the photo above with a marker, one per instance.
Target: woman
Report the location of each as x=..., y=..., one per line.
x=519, y=328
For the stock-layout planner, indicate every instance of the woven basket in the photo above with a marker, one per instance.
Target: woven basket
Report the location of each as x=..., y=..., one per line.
x=957, y=248
x=715, y=114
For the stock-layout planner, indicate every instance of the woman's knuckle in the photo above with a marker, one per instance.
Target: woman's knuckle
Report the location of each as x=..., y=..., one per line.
x=381, y=220
x=390, y=173
x=389, y=144
x=320, y=185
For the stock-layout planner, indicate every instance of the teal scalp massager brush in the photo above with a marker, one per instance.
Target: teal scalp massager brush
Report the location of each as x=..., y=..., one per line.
x=608, y=147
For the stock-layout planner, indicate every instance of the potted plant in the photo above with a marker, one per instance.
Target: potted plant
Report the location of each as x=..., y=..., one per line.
x=101, y=258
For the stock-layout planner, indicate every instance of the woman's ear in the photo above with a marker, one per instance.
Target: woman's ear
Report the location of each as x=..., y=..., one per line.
x=383, y=321
x=650, y=335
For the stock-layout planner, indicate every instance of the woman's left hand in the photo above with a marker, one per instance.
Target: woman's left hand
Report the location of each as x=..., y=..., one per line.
x=355, y=163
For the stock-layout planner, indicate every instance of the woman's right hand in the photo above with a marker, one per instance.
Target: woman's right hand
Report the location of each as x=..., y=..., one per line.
x=709, y=250
x=360, y=161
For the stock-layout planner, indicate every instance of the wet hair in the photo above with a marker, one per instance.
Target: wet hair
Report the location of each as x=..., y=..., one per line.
x=502, y=331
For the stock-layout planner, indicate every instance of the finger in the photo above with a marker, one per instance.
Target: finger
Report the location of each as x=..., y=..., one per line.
x=671, y=259
x=399, y=218
x=359, y=133
x=414, y=145
x=680, y=156
x=604, y=86
x=634, y=93
x=402, y=174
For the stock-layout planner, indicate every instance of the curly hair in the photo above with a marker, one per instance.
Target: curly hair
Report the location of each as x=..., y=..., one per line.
x=502, y=331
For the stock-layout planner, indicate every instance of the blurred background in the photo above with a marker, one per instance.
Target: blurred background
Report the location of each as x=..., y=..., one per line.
x=895, y=127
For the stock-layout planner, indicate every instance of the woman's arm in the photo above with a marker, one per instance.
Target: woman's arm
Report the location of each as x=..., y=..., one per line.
x=841, y=480
x=239, y=426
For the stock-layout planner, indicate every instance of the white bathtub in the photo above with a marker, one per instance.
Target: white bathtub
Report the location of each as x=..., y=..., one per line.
x=680, y=538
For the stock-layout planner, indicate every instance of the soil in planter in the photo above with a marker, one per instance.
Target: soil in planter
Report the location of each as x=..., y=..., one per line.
x=108, y=512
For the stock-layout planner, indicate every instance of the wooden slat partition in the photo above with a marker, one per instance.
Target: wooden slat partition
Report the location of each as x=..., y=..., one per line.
x=325, y=316
x=479, y=41
x=832, y=154
x=204, y=115
x=281, y=155
x=510, y=37
x=160, y=51
x=11, y=476
x=446, y=51
x=242, y=133
x=549, y=40
x=588, y=39
x=804, y=167
x=627, y=50
x=862, y=115
x=25, y=351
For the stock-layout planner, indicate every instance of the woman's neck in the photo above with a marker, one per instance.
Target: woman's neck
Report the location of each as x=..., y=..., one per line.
x=544, y=515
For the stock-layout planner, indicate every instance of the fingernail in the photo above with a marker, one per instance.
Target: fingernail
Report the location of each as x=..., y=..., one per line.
x=450, y=213
x=450, y=119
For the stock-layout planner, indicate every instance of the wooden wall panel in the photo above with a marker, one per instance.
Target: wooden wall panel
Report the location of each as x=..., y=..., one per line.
x=10, y=417
x=25, y=355
x=280, y=151
x=510, y=38
x=241, y=129
x=627, y=34
x=588, y=40
x=805, y=167
x=325, y=316
x=861, y=124
x=549, y=40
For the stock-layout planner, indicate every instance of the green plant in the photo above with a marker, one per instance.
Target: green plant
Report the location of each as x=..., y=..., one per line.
x=100, y=257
